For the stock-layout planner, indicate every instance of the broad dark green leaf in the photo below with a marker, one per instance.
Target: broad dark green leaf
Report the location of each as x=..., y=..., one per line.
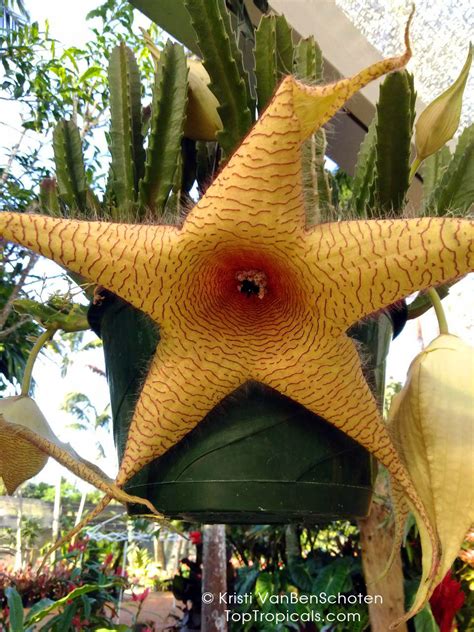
x=15, y=609
x=247, y=579
x=300, y=575
x=264, y=586
x=167, y=123
x=333, y=579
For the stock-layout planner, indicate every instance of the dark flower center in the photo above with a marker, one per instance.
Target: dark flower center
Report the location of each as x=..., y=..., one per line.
x=252, y=283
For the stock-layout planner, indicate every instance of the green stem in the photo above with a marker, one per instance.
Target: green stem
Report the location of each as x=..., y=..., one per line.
x=414, y=168
x=440, y=315
x=39, y=344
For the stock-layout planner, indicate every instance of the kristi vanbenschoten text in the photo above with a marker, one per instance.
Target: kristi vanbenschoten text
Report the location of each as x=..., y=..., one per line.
x=295, y=598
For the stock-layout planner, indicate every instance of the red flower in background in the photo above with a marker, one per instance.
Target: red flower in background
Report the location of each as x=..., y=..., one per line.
x=446, y=600
x=195, y=537
x=109, y=558
x=140, y=597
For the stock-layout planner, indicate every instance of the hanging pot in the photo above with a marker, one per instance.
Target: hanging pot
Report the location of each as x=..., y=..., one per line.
x=258, y=457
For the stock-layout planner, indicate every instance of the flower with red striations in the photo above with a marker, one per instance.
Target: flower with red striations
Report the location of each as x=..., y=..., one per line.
x=446, y=600
x=195, y=537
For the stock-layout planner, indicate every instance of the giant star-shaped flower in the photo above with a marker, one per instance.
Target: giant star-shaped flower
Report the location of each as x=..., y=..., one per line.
x=244, y=290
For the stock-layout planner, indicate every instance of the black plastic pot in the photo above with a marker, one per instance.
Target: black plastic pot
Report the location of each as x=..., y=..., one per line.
x=258, y=457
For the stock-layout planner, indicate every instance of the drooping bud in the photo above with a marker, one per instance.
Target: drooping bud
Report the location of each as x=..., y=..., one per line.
x=439, y=121
x=26, y=441
x=202, y=119
x=20, y=459
x=432, y=420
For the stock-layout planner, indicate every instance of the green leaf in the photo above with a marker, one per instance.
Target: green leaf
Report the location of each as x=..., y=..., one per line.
x=211, y=22
x=70, y=170
x=395, y=117
x=300, y=575
x=332, y=578
x=15, y=606
x=167, y=123
x=264, y=586
x=425, y=622
x=455, y=190
x=364, y=174
x=39, y=605
x=433, y=169
x=265, y=60
x=91, y=73
x=74, y=594
x=126, y=140
x=247, y=578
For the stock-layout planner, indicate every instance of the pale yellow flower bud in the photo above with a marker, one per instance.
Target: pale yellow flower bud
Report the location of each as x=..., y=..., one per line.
x=432, y=420
x=20, y=459
x=439, y=121
x=202, y=119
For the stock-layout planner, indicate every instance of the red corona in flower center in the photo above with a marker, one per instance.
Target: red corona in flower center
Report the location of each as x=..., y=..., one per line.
x=242, y=293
